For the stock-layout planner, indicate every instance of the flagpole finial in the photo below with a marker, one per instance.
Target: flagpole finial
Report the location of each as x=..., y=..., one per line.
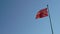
x=47, y=4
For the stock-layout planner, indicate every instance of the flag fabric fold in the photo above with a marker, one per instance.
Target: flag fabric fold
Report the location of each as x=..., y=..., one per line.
x=42, y=13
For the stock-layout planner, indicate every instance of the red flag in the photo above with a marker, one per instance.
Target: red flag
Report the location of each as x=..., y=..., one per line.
x=42, y=13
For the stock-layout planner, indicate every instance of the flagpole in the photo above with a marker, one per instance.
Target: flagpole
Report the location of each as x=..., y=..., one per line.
x=50, y=20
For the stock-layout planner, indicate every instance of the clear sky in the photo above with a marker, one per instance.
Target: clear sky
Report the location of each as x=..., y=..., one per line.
x=18, y=17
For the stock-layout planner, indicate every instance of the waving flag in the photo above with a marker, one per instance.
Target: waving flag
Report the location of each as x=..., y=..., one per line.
x=42, y=13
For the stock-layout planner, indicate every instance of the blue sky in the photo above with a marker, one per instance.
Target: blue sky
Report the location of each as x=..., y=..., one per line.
x=18, y=17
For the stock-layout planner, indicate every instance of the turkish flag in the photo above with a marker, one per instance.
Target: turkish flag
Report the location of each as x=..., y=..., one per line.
x=42, y=13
